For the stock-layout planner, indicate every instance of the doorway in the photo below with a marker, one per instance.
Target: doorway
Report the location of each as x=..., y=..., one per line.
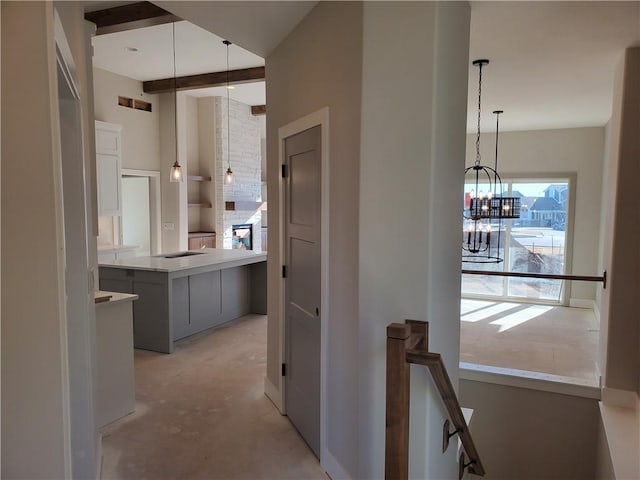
x=302, y=282
x=140, y=221
x=80, y=314
x=304, y=249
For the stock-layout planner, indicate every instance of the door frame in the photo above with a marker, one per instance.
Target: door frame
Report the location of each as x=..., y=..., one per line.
x=155, y=224
x=317, y=118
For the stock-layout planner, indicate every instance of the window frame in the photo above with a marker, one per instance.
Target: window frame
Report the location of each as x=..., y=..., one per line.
x=508, y=179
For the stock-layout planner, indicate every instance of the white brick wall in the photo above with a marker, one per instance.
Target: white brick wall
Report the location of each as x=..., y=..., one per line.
x=245, y=160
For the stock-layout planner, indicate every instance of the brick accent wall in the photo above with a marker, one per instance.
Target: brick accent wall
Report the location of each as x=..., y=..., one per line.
x=245, y=160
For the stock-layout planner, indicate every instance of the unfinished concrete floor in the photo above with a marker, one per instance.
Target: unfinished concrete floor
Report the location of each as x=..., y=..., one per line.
x=538, y=338
x=201, y=413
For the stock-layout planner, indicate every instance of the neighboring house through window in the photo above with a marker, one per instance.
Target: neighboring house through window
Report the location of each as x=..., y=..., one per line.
x=536, y=242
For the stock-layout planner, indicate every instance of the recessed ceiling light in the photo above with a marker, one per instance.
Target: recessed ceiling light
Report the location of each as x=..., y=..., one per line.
x=131, y=49
x=230, y=87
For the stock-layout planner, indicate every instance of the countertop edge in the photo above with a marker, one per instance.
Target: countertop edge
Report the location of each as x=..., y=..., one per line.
x=116, y=297
x=214, y=265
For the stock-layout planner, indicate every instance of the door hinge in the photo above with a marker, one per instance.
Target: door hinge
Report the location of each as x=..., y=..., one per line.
x=284, y=369
x=284, y=171
x=284, y=271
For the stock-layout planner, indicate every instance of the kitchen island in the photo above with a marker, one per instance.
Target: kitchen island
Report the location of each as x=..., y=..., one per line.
x=184, y=293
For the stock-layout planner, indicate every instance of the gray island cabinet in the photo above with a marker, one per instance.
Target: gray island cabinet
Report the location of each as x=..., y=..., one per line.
x=185, y=293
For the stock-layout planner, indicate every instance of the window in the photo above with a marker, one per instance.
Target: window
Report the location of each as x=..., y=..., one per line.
x=534, y=243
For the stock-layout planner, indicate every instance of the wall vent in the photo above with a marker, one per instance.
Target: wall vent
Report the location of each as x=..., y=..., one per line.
x=134, y=103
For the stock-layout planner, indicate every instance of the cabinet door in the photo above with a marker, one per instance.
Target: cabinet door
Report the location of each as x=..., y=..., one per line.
x=151, y=316
x=108, y=170
x=180, y=308
x=209, y=241
x=107, y=139
x=205, y=303
x=195, y=243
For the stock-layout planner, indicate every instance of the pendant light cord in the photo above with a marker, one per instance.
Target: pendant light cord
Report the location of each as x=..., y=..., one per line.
x=227, y=43
x=479, y=107
x=495, y=167
x=175, y=92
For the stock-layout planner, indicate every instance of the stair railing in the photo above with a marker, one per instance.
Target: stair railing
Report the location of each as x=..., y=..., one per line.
x=406, y=344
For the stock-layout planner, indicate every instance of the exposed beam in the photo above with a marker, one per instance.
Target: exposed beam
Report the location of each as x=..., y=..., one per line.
x=204, y=80
x=258, y=109
x=129, y=17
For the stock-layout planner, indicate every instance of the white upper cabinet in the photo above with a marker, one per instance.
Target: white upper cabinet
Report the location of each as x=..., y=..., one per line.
x=108, y=165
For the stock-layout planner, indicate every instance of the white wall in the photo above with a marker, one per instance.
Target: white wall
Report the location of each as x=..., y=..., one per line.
x=621, y=224
x=385, y=173
x=140, y=129
x=193, y=164
x=318, y=65
x=207, y=150
x=37, y=428
x=524, y=434
x=174, y=195
x=575, y=150
x=413, y=135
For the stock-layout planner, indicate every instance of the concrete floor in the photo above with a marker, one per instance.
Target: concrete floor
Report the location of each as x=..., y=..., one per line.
x=538, y=338
x=201, y=414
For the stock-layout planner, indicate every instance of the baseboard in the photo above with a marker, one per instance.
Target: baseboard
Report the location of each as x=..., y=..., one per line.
x=582, y=303
x=99, y=457
x=596, y=311
x=273, y=393
x=333, y=468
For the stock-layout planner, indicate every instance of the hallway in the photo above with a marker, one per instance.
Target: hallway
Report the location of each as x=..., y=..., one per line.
x=201, y=414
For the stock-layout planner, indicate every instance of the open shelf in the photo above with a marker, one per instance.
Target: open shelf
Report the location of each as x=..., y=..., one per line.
x=203, y=205
x=198, y=178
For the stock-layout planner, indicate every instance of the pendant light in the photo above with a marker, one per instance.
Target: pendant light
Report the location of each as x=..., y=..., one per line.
x=176, y=170
x=508, y=207
x=228, y=178
x=482, y=202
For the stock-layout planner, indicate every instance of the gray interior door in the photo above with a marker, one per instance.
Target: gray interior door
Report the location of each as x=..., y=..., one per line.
x=302, y=284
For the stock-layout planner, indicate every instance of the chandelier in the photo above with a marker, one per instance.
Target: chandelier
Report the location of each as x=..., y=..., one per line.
x=485, y=205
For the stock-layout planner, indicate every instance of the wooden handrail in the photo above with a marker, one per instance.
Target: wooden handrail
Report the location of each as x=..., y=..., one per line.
x=409, y=343
x=441, y=378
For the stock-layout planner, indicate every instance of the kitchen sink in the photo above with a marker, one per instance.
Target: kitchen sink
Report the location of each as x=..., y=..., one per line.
x=180, y=254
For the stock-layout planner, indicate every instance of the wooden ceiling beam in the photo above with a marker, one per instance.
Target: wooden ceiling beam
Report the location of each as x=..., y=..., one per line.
x=204, y=80
x=129, y=17
x=258, y=109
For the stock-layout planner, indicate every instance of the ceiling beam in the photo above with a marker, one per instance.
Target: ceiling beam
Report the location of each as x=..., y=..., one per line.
x=129, y=17
x=258, y=109
x=204, y=80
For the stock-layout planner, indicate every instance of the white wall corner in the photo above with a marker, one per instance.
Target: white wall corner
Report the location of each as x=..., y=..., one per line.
x=274, y=394
x=583, y=303
x=596, y=311
x=333, y=468
x=622, y=431
x=614, y=397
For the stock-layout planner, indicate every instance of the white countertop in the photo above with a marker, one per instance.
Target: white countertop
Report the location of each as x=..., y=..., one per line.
x=115, y=248
x=115, y=297
x=207, y=257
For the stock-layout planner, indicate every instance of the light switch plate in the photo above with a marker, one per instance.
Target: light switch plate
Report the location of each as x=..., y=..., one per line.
x=168, y=226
